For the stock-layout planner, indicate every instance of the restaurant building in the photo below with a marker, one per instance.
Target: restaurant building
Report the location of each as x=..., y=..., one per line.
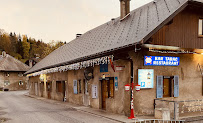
x=158, y=46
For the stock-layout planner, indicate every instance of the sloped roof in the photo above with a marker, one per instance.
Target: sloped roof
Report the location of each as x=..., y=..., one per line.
x=9, y=63
x=114, y=34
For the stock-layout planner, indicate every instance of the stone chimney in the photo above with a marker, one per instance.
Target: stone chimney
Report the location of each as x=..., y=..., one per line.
x=4, y=54
x=30, y=62
x=125, y=8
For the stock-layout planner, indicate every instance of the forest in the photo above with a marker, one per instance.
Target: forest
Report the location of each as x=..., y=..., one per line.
x=23, y=47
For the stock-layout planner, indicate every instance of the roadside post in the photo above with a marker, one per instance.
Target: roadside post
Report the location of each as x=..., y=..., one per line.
x=127, y=88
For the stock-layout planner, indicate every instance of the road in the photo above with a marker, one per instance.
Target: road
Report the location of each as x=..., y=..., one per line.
x=22, y=109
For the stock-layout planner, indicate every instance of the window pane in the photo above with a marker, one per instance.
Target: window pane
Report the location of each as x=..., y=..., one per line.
x=200, y=27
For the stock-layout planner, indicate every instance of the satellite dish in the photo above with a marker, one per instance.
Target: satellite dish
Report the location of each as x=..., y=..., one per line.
x=88, y=73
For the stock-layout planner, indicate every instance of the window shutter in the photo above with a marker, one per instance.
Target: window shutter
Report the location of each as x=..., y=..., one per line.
x=176, y=86
x=159, y=87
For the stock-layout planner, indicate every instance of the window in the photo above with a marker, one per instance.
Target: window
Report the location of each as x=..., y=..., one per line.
x=167, y=86
x=103, y=67
x=20, y=83
x=58, y=86
x=20, y=74
x=6, y=83
x=6, y=74
x=200, y=27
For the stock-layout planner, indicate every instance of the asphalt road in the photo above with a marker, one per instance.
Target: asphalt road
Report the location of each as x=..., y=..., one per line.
x=22, y=109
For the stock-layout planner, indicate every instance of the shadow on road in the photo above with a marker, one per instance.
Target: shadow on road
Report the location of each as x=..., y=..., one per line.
x=2, y=119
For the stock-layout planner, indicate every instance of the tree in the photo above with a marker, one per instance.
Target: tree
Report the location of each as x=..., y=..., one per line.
x=26, y=47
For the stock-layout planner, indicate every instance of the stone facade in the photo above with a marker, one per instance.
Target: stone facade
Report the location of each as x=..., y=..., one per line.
x=13, y=81
x=190, y=84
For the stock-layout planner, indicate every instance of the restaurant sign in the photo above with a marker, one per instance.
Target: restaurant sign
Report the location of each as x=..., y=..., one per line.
x=161, y=61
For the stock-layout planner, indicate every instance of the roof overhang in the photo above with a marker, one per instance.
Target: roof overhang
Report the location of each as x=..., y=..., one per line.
x=172, y=49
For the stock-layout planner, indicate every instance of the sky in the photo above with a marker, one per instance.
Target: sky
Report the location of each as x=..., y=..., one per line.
x=58, y=20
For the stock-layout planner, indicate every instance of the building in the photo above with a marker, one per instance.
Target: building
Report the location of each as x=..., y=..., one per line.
x=11, y=73
x=158, y=46
x=32, y=61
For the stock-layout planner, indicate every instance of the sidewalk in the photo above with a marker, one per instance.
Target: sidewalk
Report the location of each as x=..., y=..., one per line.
x=92, y=111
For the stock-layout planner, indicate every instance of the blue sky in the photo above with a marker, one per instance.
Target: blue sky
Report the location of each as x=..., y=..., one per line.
x=58, y=19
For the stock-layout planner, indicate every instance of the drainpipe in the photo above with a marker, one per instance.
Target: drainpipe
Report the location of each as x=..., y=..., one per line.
x=132, y=87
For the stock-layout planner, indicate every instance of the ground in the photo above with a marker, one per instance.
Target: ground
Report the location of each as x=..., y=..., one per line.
x=18, y=108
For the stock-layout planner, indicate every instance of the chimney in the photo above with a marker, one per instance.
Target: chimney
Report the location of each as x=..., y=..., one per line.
x=30, y=63
x=4, y=54
x=78, y=35
x=125, y=8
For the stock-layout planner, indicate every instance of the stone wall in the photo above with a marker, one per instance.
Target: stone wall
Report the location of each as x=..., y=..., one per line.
x=190, y=84
x=190, y=79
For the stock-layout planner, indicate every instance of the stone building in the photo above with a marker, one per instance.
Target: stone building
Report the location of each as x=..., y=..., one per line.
x=11, y=73
x=158, y=46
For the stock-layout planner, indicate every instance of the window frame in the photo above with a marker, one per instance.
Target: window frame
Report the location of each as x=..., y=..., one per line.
x=20, y=83
x=6, y=74
x=174, y=88
x=7, y=82
x=20, y=74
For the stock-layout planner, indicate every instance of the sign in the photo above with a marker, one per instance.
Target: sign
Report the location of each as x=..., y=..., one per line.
x=120, y=68
x=94, y=92
x=116, y=83
x=146, y=78
x=75, y=87
x=161, y=61
x=42, y=77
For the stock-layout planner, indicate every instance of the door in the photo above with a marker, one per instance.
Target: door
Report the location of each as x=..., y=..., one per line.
x=41, y=88
x=104, y=93
x=49, y=88
x=166, y=88
x=64, y=90
x=36, y=89
x=86, y=93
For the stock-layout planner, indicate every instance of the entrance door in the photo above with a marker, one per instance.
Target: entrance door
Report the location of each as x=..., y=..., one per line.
x=166, y=88
x=86, y=93
x=49, y=88
x=36, y=89
x=104, y=93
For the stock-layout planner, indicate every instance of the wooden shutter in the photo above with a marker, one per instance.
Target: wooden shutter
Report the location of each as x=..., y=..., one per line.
x=159, y=87
x=176, y=86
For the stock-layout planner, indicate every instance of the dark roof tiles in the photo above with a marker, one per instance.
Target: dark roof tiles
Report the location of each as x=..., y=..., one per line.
x=113, y=34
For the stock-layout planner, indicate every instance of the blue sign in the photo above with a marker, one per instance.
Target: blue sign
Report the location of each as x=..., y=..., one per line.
x=116, y=83
x=161, y=61
x=146, y=78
